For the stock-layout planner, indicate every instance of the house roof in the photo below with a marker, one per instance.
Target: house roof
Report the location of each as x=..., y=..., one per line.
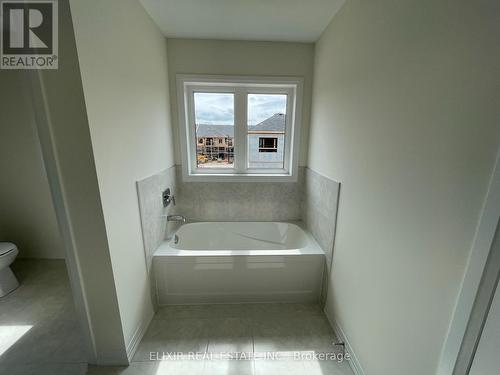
x=275, y=123
x=207, y=130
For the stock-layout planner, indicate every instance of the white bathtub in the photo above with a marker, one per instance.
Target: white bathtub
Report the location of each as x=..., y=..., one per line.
x=227, y=262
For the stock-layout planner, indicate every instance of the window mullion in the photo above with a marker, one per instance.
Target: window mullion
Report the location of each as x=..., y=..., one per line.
x=240, y=130
x=191, y=129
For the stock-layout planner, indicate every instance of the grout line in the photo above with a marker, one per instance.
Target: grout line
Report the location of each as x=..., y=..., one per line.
x=208, y=344
x=46, y=363
x=252, y=322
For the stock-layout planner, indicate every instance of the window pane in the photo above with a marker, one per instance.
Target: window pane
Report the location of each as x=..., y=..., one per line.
x=266, y=130
x=214, y=118
x=268, y=144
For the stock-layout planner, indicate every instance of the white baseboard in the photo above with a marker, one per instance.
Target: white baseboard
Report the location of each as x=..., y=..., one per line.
x=137, y=337
x=353, y=362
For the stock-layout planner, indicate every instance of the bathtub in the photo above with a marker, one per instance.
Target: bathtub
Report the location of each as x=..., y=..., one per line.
x=235, y=262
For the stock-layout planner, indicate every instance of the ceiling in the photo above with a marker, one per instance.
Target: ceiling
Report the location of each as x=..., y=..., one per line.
x=265, y=20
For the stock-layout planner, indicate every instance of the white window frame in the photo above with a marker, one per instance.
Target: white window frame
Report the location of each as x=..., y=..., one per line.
x=240, y=86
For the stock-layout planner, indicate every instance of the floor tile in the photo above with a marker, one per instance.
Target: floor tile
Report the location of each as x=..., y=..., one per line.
x=51, y=343
x=43, y=305
x=135, y=368
x=229, y=310
x=279, y=367
x=201, y=311
x=229, y=367
x=181, y=367
x=311, y=333
x=183, y=311
x=167, y=336
x=168, y=367
x=40, y=271
x=229, y=335
x=45, y=369
x=330, y=367
x=282, y=310
x=244, y=310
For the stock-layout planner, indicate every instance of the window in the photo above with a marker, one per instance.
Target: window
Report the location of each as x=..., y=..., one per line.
x=214, y=120
x=236, y=128
x=268, y=144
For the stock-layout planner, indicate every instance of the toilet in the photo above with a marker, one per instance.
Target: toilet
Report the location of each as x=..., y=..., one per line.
x=8, y=281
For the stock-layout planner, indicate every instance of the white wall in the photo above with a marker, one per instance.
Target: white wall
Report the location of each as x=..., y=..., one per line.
x=197, y=56
x=123, y=61
x=405, y=115
x=63, y=130
x=27, y=215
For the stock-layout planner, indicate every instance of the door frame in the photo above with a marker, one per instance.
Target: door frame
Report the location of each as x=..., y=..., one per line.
x=35, y=86
x=470, y=309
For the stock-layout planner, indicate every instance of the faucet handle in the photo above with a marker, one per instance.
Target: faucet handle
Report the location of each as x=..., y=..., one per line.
x=178, y=218
x=167, y=198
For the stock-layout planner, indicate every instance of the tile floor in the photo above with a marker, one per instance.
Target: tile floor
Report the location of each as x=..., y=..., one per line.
x=39, y=332
x=39, y=335
x=250, y=331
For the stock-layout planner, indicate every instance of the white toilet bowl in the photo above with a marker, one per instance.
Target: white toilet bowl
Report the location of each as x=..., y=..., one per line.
x=8, y=281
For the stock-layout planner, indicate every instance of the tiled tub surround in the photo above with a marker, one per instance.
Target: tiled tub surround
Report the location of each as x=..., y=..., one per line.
x=319, y=209
x=240, y=201
x=153, y=215
x=319, y=214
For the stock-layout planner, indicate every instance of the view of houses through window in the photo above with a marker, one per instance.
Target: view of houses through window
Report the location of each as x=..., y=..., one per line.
x=214, y=120
x=266, y=130
x=267, y=144
x=214, y=114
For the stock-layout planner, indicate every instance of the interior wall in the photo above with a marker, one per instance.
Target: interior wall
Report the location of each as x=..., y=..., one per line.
x=125, y=82
x=27, y=216
x=405, y=117
x=200, y=56
x=63, y=130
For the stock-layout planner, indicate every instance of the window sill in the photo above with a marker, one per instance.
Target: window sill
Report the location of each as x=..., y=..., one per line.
x=250, y=177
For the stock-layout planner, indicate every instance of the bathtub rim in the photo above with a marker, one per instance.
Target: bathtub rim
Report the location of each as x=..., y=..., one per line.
x=312, y=248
